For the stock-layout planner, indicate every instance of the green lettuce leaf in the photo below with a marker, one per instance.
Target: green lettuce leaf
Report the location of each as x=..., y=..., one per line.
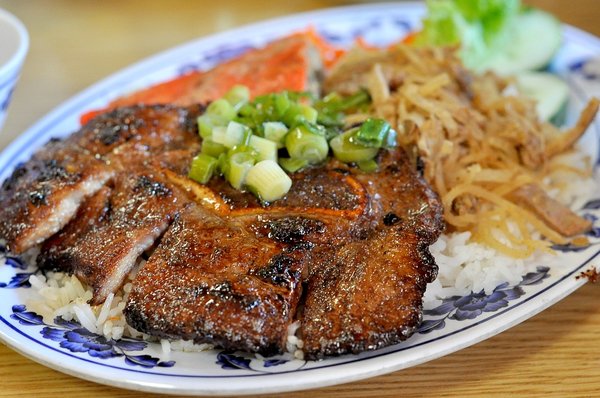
x=480, y=27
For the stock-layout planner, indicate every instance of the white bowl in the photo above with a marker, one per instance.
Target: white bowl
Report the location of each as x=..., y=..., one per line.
x=14, y=43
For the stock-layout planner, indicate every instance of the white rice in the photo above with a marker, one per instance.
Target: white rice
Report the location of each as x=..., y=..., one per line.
x=466, y=267
x=294, y=343
x=58, y=294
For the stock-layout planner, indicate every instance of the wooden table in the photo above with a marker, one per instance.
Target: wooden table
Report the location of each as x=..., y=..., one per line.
x=75, y=43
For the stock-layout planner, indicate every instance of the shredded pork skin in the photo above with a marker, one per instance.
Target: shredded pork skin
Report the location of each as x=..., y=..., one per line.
x=481, y=142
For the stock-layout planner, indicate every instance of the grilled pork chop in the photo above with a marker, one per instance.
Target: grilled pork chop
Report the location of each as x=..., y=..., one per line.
x=365, y=293
x=227, y=269
x=359, y=240
x=140, y=209
x=44, y=193
x=222, y=267
x=212, y=280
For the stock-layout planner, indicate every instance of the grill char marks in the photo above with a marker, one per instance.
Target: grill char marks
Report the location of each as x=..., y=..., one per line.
x=229, y=270
x=154, y=128
x=141, y=208
x=212, y=280
x=41, y=195
x=156, y=137
x=323, y=206
x=54, y=254
x=368, y=269
x=325, y=191
x=365, y=294
x=291, y=229
x=102, y=243
x=401, y=196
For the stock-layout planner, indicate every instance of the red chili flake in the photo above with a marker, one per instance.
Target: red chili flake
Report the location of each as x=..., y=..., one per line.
x=591, y=274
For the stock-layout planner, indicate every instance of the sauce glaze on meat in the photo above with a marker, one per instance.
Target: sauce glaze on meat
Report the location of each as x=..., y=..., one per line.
x=344, y=251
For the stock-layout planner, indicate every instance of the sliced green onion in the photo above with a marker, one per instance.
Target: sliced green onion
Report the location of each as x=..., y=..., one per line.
x=372, y=133
x=331, y=108
x=223, y=108
x=239, y=133
x=331, y=98
x=265, y=148
x=354, y=101
x=202, y=169
x=297, y=113
x=275, y=131
x=301, y=96
x=290, y=115
x=368, y=166
x=223, y=164
x=239, y=165
x=310, y=114
x=336, y=103
x=292, y=165
x=247, y=110
x=281, y=103
x=211, y=148
x=346, y=149
x=242, y=138
x=238, y=96
x=311, y=127
x=234, y=134
x=206, y=123
x=331, y=119
x=303, y=144
x=268, y=181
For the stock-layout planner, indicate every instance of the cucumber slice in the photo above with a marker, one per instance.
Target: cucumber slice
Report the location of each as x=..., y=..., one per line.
x=536, y=38
x=549, y=91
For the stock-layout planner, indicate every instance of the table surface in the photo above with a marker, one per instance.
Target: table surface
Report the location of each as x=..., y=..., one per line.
x=76, y=43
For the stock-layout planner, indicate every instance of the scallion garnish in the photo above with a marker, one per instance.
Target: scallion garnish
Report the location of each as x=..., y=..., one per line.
x=276, y=132
x=306, y=145
x=372, y=133
x=333, y=106
x=238, y=96
x=207, y=122
x=297, y=113
x=292, y=165
x=368, y=166
x=281, y=103
x=239, y=165
x=264, y=148
x=233, y=135
x=202, y=169
x=211, y=148
x=347, y=149
x=391, y=140
x=222, y=108
x=268, y=181
x=243, y=139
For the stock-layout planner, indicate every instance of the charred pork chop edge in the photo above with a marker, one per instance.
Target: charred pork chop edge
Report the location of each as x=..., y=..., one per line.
x=62, y=213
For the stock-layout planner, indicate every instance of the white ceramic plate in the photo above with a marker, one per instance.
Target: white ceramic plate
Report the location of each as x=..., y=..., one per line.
x=457, y=323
